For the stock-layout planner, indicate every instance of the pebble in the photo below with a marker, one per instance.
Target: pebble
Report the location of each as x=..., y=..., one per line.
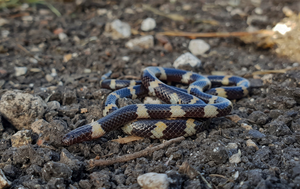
x=3, y=21
x=258, y=10
x=101, y=12
x=144, y=42
x=256, y=18
x=87, y=70
x=33, y=60
x=246, y=126
x=27, y=18
x=62, y=36
x=20, y=71
x=148, y=24
x=118, y=29
x=4, y=33
x=39, y=126
x=55, y=169
x=53, y=105
x=125, y=58
x=4, y=182
x=168, y=47
x=236, y=158
x=21, y=138
x=187, y=59
x=53, y=72
x=256, y=134
x=21, y=109
x=49, y=78
x=153, y=181
x=198, y=46
x=249, y=142
x=232, y=146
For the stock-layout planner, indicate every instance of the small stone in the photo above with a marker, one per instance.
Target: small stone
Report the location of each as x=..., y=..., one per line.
x=246, y=126
x=187, y=59
x=21, y=109
x=21, y=138
x=62, y=36
x=33, y=60
x=49, y=78
x=251, y=143
x=20, y=71
x=27, y=18
x=168, y=47
x=198, y=46
x=232, y=146
x=44, y=12
x=239, y=12
x=86, y=70
x=236, y=158
x=55, y=169
x=255, y=134
x=153, y=180
x=148, y=24
x=3, y=21
x=4, y=182
x=253, y=19
x=118, y=29
x=258, y=10
x=101, y=12
x=53, y=105
x=4, y=33
x=53, y=72
x=162, y=39
x=144, y=42
x=39, y=126
x=125, y=58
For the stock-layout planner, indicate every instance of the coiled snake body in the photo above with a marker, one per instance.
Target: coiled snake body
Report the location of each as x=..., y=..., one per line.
x=163, y=120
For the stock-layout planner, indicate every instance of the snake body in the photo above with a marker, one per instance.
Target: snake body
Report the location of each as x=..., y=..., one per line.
x=163, y=120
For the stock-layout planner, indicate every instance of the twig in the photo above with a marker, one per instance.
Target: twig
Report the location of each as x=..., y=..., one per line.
x=128, y=157
x=215, y=34
x=264, y=72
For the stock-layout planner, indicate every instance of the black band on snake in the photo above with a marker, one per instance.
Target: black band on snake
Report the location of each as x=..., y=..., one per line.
x=163, y=121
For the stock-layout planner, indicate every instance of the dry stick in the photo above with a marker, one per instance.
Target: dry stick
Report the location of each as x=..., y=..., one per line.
x=92, y=162
x=216, y=34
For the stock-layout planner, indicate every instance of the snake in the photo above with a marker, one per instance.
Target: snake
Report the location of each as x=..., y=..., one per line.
x=182, y=113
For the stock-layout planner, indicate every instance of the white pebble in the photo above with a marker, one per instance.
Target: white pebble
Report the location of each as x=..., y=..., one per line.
x=53, y=72
x=198, y=46
x=20, y=71
x=125, y=58
x=87, y=70
x=236, y=158
x=187, y=59
x=33, y=61
x=120, y=29
x=232, y=146
x=148, y=24
x=62, y=36
x=101, y=12
x=153, y=180
x=3, y=21
x=144, y=42
x=4, y=33
x=49, y=78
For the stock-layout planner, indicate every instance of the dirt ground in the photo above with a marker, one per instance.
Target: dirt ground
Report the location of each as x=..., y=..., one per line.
x=65, y=70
